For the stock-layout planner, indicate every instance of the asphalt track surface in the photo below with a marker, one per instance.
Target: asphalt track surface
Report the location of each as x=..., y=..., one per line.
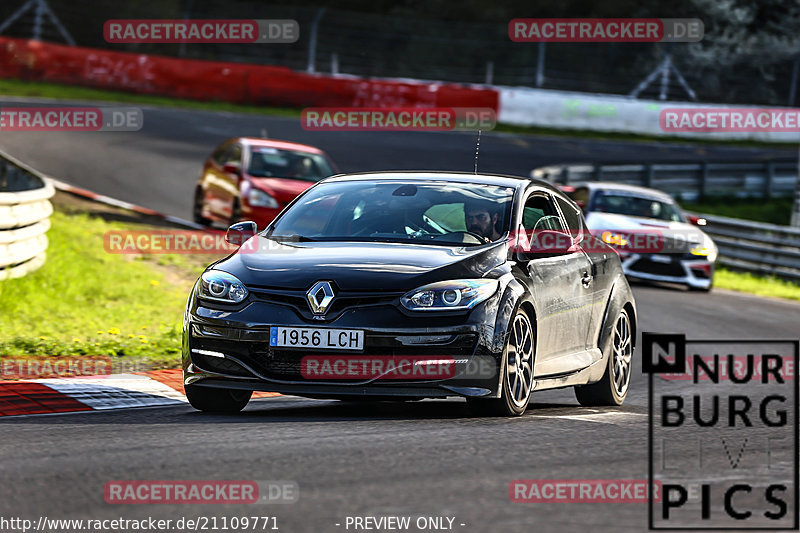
x=422, y=458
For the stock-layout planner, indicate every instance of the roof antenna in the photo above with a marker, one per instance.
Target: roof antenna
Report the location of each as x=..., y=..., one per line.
x=477, y=149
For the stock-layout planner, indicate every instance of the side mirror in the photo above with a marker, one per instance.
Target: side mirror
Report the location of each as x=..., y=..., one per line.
x=551, y=242
x=544, y=243
x=232, y=168
x=241, y=231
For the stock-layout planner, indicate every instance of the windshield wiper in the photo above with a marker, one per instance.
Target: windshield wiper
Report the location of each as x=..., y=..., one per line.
x=291, y=238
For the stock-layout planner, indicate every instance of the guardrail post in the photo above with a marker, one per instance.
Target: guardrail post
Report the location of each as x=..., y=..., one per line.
x=648, y=176
x=598, y=172
x=701, y=192
x=768, y=177
x=312, y=42
x=540, y=65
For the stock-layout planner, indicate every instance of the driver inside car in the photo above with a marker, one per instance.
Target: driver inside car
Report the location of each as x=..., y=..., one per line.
x=482, y=220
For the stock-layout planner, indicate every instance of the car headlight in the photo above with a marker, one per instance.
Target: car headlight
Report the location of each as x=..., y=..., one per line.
x=259, y=198
x=707, y=250
x=449, y=295
x=221, y=287
x=614, y=238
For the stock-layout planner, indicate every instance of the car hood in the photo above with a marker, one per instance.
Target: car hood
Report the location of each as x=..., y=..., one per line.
x=678, y=237
x=283, y=190
x=357, y=266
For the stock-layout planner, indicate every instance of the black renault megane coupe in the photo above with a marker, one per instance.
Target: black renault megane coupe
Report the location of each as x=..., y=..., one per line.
x=411, y=285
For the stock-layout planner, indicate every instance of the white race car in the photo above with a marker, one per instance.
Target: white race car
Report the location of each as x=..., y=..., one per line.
x=653, y=237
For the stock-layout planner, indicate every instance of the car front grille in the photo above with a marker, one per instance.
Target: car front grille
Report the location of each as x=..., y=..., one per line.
x=646, y=266
x=342, y=302
x=700, y=273
x=219, y=365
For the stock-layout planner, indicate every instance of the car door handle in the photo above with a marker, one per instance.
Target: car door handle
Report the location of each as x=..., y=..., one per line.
x=586, y=279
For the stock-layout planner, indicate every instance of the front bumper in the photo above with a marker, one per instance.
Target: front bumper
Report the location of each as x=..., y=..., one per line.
x=231, y=349
x=695, y=272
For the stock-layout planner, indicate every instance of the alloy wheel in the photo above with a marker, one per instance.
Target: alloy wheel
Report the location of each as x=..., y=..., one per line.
x=519, y=361
x=622, y=353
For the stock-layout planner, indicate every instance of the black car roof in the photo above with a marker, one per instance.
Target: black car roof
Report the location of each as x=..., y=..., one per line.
x=456, y=177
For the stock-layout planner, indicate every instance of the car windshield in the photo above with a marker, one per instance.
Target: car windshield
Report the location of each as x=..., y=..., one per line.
x=397, y=211
x=636, y=206
x=268, y=162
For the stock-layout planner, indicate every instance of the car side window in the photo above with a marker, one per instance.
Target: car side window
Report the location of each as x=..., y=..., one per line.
x=234, y=155
x=572, y=216
x=219, y=154
x=539, y=213
x=580, y=196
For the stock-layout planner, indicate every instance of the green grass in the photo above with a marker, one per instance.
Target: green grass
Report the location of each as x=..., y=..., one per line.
x=85, y=301
x=774, y=211
x=770, y=287
x=13, y=87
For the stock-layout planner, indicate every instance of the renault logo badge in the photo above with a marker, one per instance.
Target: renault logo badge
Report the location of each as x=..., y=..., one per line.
x=319, y=297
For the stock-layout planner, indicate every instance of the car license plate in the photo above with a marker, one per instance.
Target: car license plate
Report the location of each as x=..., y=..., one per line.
x=660, y=259
x=321, y=338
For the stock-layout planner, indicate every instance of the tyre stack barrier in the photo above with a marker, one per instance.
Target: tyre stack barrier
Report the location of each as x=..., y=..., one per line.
x=25, y=211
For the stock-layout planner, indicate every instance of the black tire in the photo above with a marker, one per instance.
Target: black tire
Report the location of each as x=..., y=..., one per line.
x=214, y=400
x=197, y=210
x=612, y=388
x=514, y=396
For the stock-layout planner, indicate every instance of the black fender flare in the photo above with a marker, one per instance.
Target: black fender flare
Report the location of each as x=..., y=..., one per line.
x=514, y=295
x=620, y=298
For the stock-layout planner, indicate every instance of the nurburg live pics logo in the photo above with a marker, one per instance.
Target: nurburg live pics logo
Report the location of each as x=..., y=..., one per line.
x=723, y=433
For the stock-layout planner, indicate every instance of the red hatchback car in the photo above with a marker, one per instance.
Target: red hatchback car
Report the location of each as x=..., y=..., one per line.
x=247, y=178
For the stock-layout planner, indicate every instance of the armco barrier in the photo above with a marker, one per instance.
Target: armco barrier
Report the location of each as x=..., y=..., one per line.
x=24, y=219
x=775, y=177
x=223, y=81
x=765, y=249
